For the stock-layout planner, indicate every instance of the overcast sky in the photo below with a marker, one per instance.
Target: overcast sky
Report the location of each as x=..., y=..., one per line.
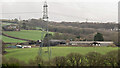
x=62, y=10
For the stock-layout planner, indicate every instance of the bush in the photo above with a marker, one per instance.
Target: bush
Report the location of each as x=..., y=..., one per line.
x=94, y=59
x=112, y=45
x=59, y=61
x=12, y=63
x=111, y=59
x=39, y=60
x=118, y=58
x=74, y=59
x=32, y=63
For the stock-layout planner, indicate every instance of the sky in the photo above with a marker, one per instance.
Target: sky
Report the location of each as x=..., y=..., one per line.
x=61, y=10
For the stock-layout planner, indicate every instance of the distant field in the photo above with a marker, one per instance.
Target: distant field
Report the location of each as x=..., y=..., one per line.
x=11, y=40
x=6, y=23
x=27, y=34
x=30, y=53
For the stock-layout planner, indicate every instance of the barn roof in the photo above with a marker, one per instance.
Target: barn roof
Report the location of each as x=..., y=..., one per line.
x=91, y=41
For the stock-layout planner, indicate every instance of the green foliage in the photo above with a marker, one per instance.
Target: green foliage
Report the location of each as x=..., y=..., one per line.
x=10, y=21
x=12, y=63
x=78, y=36
x=16, y=20
x=39, y=60
x=32, y=62
x=94, y=59
x=24, y=26
x=3, y=47
x=63, y=36
x=98, y=37
x=111, y=58
x=74, y=59
x=60, y=61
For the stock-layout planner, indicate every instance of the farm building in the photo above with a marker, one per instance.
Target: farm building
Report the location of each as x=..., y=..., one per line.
x=13, y=27
x=91, y=43
x=57, y=42
x=23, y=46
x=52, y=42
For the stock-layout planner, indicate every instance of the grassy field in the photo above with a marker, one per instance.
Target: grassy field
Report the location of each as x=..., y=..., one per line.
x=6, y=23
x=30, y=53
x=11, y=40
x=24, y=34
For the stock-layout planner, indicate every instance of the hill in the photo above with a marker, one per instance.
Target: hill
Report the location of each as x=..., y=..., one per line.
x=24, y=34
x=6, y=23
x=11, y=40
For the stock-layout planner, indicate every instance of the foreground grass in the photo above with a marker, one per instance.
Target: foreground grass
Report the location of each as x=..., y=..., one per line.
x=31, y=53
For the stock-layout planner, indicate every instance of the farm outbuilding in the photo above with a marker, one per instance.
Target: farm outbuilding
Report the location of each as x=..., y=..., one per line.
x=57, y=42
x=13, y=27
x=23, y=46
x=91, y=43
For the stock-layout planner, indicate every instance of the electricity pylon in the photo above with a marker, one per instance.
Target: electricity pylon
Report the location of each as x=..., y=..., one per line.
x=45, y=18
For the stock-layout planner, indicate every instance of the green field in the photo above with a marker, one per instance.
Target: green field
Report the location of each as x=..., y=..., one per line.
x=30, y=53
x=6, y=23
x=11, y=40
x=24, y=34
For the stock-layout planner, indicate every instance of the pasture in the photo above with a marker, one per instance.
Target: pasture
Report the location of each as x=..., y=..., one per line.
x=27, y=34
x=24, y=34
x=30, y=53
x=6, y=23
x=11, y=40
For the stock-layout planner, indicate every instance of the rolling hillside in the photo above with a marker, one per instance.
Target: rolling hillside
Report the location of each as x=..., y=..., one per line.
x=6, y=23
x=11, y=40
x=24, y=34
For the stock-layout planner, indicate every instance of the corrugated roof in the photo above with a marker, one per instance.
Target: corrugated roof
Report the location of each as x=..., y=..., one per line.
x=91, y=41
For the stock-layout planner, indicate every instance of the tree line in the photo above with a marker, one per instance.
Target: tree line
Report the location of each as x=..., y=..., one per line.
x=83, y=30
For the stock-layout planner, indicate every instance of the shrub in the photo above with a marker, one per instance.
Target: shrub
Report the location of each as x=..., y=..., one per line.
x=39, y=60
x=112, y=45
x=59, y=61
x=12, y=62
x=93, y=59
x=32, y=63
x=111, y=58
x=74, y=59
